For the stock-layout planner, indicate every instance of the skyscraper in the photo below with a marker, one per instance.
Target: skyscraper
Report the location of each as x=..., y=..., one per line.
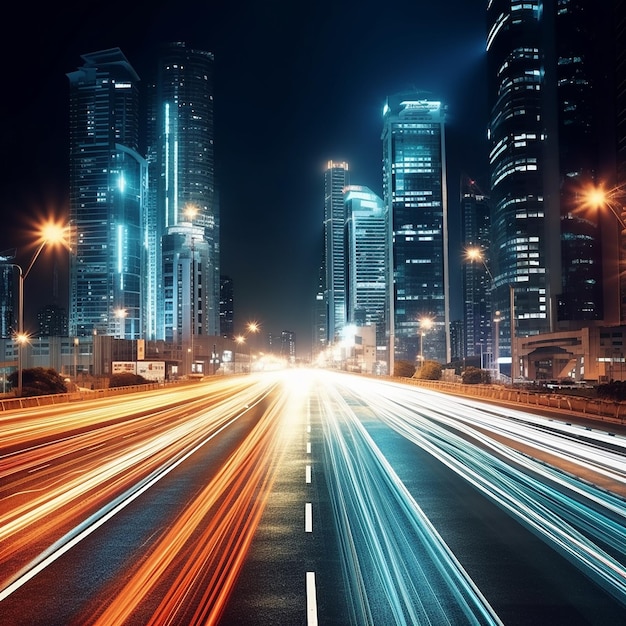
x=548, y=73
x=184, y=208
x=367, y=262
x=336, y=179
x=477, y=284
x=107, y=193
x=227, y=307
x=414, y=190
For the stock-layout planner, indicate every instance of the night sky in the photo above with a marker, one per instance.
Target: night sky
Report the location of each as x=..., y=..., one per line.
x=296, y=84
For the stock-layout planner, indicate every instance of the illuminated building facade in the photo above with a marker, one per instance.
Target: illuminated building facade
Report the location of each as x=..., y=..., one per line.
x=367, y=261
x=336, y=179
x=525, y=212
x=8, y=299
x=185, y=255
x=414, y=190
x=108, y=180
x=320, y=312
x=549, y=71
x=477, y=284
x=227, y=311
x=583, y=74
x=184, y=202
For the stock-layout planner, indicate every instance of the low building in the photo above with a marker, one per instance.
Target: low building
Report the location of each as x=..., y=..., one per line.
x=593, y=354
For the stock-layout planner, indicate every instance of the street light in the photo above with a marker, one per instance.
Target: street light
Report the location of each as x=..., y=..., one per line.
x=49, y=233
x=251, y=328
x=426, y=323
x=120, y=314
x=476, y=254
x=596, y=197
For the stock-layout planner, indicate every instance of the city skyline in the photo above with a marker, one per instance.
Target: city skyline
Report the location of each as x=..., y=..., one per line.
x=274, y=130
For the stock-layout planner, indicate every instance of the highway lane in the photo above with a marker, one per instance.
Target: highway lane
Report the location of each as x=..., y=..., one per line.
x=316, y=504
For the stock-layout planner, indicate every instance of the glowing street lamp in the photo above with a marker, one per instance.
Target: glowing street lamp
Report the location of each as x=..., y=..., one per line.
x=476, y=254
x=597, y=197
x=426, y=323
x=251, y=328
x=50, y=233
x=120, y=314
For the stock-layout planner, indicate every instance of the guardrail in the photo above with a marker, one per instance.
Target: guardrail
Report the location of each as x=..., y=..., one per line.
x=590, y=407
x=8, y=404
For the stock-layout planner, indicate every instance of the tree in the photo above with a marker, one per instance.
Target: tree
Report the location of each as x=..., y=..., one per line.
x=39, y=381
x=475, y=376
x=126, y=379
x=403, y=369
x=430, y=370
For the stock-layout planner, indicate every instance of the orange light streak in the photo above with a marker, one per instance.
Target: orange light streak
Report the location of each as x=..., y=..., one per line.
x=208, y=543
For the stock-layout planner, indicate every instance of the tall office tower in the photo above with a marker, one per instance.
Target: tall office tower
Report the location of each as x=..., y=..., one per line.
x=620, y=81
x=367, y=262
x=320, y=313
x=336, y=179
x=184, y=208
x=549, y=66
x=9, y=306
x=288, y=345
x=185, y=256
x=414, y=190
x=583, y=59
x=52, y=321
x=477, y=284
x=227, y=310
x=107, y=191
x=524, y=174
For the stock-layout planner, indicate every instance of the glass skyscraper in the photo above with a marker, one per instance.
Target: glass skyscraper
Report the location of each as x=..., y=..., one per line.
x=550, y=135
x=336, y=179
x=107, y=194
x=414, y=190
x=367, y=262
x=477, y=284
x=183, y=220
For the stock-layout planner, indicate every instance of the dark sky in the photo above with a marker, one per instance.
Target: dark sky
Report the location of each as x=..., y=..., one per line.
x=297, y=84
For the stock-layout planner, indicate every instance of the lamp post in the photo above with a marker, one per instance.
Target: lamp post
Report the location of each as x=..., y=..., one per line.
x=595, y=198
x=251, y=328
x=496, y=343
x=476, y=254
x=75, y=359
x=50, y=233
x=425, y=324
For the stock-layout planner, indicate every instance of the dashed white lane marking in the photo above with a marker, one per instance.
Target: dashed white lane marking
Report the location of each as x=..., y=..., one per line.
x=308, y=473
x=308, y=447
x=308, y=518
x=311, y=600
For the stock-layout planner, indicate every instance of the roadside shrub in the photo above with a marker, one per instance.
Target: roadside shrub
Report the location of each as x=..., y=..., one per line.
x=127, y=379
x=403, y=369
x=475, y=376
x=430, y=370
x=613, y=390
x=39, y=381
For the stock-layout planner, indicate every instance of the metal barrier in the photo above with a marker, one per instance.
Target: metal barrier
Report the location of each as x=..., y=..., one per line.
x=589, y=407
x=9, y=404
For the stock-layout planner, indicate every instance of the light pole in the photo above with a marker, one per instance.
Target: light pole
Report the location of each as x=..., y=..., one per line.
x=75, y=359
x=425, y=324
x=594, y=198
x=496, y=343
x=251, y=328
x=476, y=254
x=50, y=233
